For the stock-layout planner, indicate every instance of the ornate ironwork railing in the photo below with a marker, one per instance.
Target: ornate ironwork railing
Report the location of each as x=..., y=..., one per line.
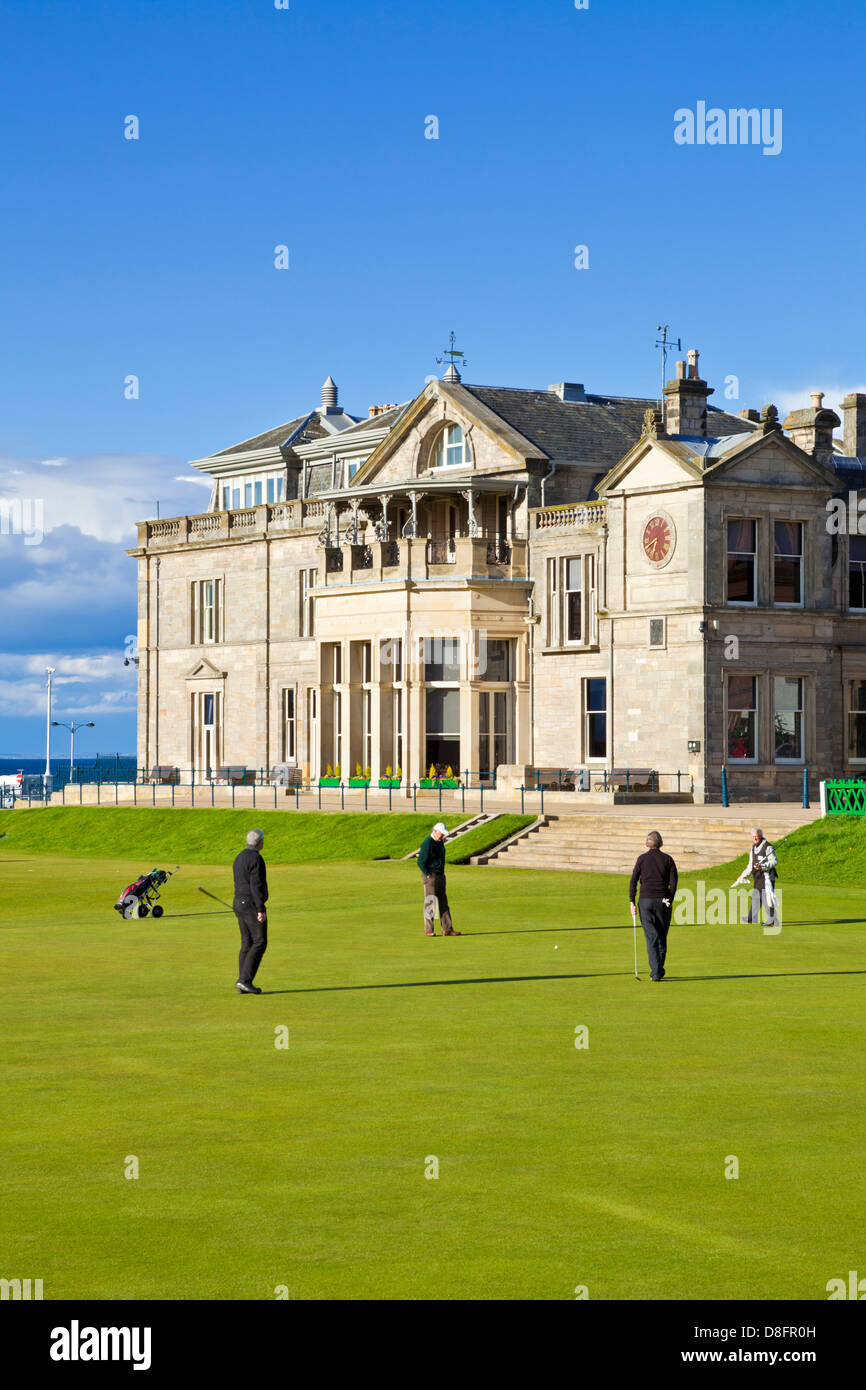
x=442, y=552
x=363, y=557
x=498, y=553
x=333, y=559
x=390, y=554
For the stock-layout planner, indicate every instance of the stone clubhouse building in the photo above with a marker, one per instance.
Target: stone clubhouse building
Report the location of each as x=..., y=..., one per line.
x=488, y=578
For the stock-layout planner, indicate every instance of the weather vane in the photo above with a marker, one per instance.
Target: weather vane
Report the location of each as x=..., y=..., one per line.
x=666, y=347
x=452, y=353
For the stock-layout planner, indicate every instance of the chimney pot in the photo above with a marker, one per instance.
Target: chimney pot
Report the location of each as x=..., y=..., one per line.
x=681, y=371
x=853, y=410
x=817, y=398
x=692, y=355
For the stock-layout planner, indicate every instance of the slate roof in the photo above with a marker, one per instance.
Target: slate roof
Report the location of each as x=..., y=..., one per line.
x=851, y=471
x=270, y=439
x=598, y=430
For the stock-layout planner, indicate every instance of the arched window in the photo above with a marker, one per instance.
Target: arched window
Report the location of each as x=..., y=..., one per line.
x=451, y=449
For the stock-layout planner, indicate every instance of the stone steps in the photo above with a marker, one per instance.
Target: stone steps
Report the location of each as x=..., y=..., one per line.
x=611, y=843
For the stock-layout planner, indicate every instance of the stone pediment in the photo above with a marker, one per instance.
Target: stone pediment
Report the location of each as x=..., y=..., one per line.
x=493, y=441
x=204, y=670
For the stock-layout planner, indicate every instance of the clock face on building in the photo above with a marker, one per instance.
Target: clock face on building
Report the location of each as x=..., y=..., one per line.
x=659, y=539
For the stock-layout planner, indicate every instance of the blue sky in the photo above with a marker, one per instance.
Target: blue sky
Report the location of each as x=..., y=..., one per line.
x=306, y=127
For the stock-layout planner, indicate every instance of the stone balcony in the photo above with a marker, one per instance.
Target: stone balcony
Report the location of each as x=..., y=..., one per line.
x=580, y=516
x=277, y=518
x=464, y=557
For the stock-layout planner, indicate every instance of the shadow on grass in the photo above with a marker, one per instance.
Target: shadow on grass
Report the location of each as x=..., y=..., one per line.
x=424, y=984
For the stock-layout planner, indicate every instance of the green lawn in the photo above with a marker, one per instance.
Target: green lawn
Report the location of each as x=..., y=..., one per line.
x=305, y=1167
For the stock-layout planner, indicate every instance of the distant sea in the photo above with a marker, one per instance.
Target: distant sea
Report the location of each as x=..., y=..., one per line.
x=107, y=765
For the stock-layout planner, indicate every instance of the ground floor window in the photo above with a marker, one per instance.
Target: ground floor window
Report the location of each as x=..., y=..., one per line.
x=494, y=708
x=289, y=725
x=742, y=718
x=595, y=717
x=206, y=720
x=788, y=718
x=442, y=730
x=857, y=720
x=397, y=724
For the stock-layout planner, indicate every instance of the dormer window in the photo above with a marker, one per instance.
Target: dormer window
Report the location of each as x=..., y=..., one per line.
x=451, y=449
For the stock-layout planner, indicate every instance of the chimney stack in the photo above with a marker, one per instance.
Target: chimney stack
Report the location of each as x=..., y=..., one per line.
x=812, y=430
x=753, y=415
x=686, y=400
x=853, y=410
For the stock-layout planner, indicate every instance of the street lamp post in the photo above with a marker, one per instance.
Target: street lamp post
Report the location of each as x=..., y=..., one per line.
x=59, y=724
x=49, y=671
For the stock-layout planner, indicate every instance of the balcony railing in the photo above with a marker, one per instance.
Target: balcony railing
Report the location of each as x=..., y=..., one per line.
x=498, y=552
x=442, y=552
x=574, y=517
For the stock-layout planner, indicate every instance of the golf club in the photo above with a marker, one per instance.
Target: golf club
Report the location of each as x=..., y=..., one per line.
x=221, y=901
x=634, y=924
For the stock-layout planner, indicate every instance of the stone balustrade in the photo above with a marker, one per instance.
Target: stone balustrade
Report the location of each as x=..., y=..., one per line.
x=580, y=517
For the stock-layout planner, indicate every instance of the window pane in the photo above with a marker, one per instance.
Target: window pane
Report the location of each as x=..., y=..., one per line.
x=441, y=659
x=500, y=712
x=271, y=489
x=857, y=696
x=484, y=713
x=596, y=693
x=498, y=664
x=788, y=692
x=741, y=579
x=236, y=497
x=227, y=496
x=258, y=493
x=572, y=574
x=208, y=709
x=786, y=584
x=741, y=692
x=741, y=536
x=443, y=712
x=789, y=537
x=596, y=735
x=857, y=735
x=573, y=615
x=741, y=735
x=248, y=494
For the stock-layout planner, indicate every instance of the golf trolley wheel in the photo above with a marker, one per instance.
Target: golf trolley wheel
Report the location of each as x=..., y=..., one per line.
x=157, y=911
x=143, y=910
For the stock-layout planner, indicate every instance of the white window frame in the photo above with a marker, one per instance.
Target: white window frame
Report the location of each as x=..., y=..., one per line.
x=801, y=602
x=443, y=447
x=791, y=676
x=290, y=724
x=743, y=602
x=743, y=762
x=587, y=713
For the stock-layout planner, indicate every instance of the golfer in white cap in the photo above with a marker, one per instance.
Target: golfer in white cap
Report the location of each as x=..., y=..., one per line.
x=431, y=862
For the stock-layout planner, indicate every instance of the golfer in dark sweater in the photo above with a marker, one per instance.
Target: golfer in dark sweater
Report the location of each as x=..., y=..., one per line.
x=657, y=875
x=431, y=862
x=251, y=894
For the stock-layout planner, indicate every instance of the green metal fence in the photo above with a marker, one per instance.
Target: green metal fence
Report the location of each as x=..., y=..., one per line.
x=845, y=798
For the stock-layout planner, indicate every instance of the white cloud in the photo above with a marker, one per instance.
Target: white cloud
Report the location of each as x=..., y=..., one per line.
x=103, y=495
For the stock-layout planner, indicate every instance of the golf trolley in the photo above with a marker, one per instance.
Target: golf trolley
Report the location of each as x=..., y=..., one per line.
x=140, y=897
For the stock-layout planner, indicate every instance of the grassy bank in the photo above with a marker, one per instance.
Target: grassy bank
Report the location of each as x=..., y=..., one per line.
x=208, y=836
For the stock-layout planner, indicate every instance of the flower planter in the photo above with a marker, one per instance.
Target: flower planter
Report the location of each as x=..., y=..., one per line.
x=386, y=782
x=432, y=783
x=329, y=781
x=359, y=781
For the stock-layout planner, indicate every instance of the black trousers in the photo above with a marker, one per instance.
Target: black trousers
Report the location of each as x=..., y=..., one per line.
x=254, y=939
x=655, y=919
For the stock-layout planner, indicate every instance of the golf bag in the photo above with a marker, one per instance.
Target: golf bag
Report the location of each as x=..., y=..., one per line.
x=140, y=898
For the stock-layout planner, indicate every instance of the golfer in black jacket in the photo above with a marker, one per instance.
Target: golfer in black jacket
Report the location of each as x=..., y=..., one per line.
x=657, y=875
x=251, y=894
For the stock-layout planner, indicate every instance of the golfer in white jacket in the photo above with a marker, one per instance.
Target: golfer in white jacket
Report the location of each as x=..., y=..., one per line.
x=761, y=868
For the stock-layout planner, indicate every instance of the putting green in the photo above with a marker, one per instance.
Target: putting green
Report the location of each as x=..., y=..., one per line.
x=261, y=1167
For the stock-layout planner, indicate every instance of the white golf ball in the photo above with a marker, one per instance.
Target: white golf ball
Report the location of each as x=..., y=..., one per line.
x=556, y=948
